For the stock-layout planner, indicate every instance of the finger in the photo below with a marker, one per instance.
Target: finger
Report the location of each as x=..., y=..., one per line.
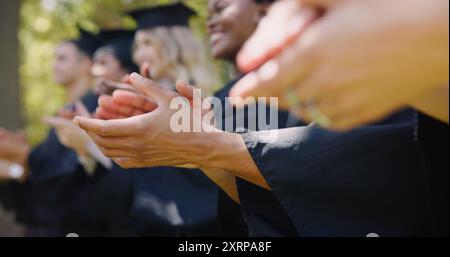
x=107, y=103
x=274, y=77
x=55, y=122
x=285, y=22
x=138, y=112
x=123, y=143
x=149, y=88
x=113, y=152
x=106, y=128
x=104, y=114
x=127, y=111
x=137, y=101
x=65, y=113
x=109, y=87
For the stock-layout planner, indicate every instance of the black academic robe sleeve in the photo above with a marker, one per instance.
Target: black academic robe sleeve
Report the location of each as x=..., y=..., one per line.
x=235, y=221
x=369, y=180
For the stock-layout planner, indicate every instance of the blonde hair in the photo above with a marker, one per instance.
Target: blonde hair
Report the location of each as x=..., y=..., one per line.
x=185, y=56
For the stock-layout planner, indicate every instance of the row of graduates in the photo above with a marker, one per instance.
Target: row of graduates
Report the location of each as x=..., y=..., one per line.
x=67, y=188
x=387, y=178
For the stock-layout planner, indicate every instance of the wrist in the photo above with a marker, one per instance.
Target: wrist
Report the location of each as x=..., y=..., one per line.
x=222, y=150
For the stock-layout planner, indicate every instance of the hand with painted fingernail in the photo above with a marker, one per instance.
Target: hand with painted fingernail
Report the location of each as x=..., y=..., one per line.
x=359, y=62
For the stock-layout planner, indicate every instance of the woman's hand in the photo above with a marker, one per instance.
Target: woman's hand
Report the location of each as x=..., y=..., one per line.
x=123, y=104
x=128, y=103
x=68, y=133
x=147, y=140
x=121, y=100
x=360, y=61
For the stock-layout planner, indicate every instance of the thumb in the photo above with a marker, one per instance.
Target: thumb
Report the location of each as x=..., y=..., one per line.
x=148, y=87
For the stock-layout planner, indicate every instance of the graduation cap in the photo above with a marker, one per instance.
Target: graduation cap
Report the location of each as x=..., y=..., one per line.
x=120, y=42
x=176, y=14
x=87, y=42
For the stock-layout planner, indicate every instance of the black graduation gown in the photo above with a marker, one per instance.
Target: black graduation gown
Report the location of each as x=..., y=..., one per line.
x=97, y=204
x=432, y=136
x=233, y=221
x=52, y=167
x=366, y=181
x=100, y=203
x=169, y=201
x=163, y=201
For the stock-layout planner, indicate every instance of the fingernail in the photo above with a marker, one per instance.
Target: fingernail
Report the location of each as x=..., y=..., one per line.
x=135, y=76
x=76, y=121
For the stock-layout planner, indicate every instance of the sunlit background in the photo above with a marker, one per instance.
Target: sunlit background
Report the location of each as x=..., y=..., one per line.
x=43, y=23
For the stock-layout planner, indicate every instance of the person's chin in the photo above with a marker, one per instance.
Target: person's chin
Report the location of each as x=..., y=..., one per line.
x=219, y=52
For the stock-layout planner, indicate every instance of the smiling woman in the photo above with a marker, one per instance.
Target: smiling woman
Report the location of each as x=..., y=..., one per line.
x=230, y=25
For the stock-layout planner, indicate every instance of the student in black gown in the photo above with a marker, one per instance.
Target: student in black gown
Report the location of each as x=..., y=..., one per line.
x=109, y=184
x=40, y=202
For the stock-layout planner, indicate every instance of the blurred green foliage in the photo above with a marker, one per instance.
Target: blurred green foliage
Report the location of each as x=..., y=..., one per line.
x=44, y=23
